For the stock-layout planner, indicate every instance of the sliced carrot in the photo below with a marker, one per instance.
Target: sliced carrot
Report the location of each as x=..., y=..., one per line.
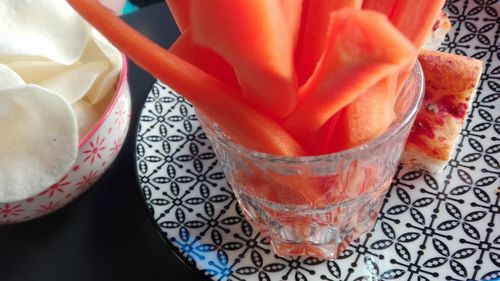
x=383, y=6
x=368, y=117
x=256, y=39
x=341, y=4
x=312, y=36
x=292, y=11
x=416, y=23
x=362, y=48
x=180, y=10
x=204, y=59
x=279, y=188
x=319, y=143
x=243, y=124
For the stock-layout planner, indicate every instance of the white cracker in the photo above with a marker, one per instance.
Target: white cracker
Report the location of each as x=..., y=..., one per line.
x=38, y=141
x=46, y=28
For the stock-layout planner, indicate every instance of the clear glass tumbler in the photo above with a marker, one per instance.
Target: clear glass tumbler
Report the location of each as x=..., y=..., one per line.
x=316, y=205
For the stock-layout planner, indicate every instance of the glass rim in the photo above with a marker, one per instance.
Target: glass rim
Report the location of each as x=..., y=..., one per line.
x=402, y=121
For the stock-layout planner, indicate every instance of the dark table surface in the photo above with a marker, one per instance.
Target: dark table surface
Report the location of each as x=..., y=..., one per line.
x=106, y=234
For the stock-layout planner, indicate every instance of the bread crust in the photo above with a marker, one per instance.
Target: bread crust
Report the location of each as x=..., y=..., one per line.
x=450, y=85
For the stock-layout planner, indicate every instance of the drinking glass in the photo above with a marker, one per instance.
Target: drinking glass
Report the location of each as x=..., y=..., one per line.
x=316, y=205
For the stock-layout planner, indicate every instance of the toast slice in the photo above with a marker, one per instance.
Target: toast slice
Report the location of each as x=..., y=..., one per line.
x=450, y=85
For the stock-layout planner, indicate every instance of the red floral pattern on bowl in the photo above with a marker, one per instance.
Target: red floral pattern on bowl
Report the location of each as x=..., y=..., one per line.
x=97, y=150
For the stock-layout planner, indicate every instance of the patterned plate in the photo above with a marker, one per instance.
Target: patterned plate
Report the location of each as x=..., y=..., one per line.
x=431, y=227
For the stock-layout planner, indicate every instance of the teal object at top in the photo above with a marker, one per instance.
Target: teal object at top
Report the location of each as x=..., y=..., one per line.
x=129, y=8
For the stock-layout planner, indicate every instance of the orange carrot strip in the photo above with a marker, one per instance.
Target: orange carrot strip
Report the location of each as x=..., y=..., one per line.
x=366, y=118
x=204, y=59
x=292, y=11
x=383, y=6
x=256, y=39
x=180, y=10
x=319, y=143
x=243, y=124
x=312, y=35
x=415, y=22
x=362, y=48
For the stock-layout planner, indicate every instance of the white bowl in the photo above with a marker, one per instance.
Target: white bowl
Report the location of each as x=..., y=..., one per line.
x=96, y=151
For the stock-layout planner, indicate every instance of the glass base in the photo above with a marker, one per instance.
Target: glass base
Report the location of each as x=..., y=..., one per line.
x=321, y=233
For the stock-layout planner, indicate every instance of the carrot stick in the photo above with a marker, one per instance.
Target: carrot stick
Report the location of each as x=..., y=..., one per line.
x=415, y=22
x=384, y=6
x=257, y=39
x=362, y=48
x=366, y=118
x=243, y=124
x=180, y=12
x=204, y=59
x=312, y=34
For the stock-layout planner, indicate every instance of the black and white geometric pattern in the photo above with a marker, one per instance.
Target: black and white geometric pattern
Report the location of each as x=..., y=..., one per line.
x=431, y=227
